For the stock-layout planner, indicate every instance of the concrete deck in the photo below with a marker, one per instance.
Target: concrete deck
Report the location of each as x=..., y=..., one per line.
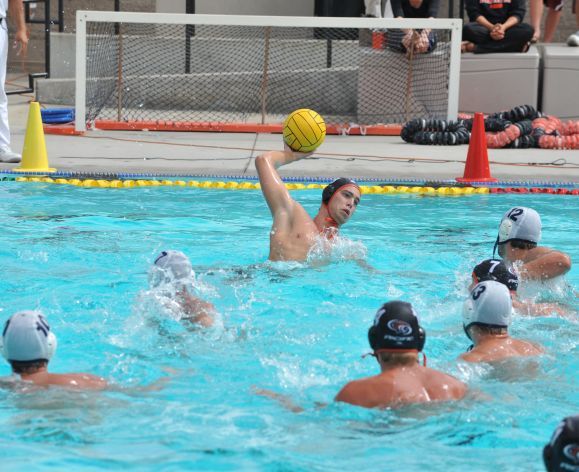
x=196, y=154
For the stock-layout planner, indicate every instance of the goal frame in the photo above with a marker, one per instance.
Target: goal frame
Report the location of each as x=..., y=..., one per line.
x=85, y=16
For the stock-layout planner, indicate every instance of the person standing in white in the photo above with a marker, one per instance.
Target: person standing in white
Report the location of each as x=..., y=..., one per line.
x=16, y=11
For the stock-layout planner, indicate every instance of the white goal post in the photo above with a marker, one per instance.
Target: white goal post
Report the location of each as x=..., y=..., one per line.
x=362, y=75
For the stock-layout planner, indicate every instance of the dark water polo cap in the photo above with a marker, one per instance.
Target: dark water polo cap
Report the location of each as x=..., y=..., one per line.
x=396, y=327
x=337, y=184
x=497, y=270
x=562, y=452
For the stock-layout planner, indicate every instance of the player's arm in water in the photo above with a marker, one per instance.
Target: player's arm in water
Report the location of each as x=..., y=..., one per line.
x=276, y=195
x=528, y=308
x=196, y=310
x=545, y=264
x=284, y=400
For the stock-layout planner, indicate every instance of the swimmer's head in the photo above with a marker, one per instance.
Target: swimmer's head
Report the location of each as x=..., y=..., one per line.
x=488, y=305
x=336, y=185
x=497, y=270
x=519, y=224
x=170, y=267
x=342, y=210
x=562, y=452
x=27, y=338
x=396, y=329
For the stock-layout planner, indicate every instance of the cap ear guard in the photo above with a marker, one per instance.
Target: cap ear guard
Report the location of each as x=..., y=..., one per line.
x=548, y=457
x=51, y=344
x=495, y=246
x=373, y=337
x=2, y=350
x=467, y=316
x=421, y=338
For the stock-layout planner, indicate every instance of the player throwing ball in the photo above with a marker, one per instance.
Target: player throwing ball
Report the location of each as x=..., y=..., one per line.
x=294, y=231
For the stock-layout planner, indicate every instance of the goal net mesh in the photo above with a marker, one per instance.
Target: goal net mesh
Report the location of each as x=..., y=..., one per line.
x=139, y=72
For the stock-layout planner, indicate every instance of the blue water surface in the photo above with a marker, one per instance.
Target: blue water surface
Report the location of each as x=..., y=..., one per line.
x=82, y=255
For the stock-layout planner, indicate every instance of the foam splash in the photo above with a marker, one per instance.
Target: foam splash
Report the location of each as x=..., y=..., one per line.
x=338, y=249
x=555, y=289
x=161, y=303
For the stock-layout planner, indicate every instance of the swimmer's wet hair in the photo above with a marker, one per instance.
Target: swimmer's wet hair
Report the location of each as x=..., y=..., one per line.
x=492, y=330
x=28, y=367
x=522, y=244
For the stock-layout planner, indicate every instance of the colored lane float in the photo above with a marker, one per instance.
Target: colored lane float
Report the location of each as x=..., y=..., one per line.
x=233, y=185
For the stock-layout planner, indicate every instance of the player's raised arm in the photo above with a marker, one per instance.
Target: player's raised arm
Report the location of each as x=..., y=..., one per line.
x=547, y=265
x=277, y=197
x=303, y=131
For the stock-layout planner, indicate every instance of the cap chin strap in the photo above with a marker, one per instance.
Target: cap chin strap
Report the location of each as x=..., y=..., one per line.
x=495, y=246
x=329, y=223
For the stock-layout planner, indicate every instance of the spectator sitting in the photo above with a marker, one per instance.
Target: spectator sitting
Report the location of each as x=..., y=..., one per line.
x=496, y=27
x=409, y=40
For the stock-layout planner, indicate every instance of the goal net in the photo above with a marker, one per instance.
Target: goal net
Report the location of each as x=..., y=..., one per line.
x=246, y=73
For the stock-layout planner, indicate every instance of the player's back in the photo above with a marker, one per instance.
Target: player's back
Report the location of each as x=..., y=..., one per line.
x=497, y=349
x=402, y=386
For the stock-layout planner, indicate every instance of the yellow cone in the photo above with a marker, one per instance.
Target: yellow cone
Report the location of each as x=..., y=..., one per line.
x=34, y=157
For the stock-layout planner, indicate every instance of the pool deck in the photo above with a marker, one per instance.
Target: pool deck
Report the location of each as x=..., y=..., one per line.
x=228, y=154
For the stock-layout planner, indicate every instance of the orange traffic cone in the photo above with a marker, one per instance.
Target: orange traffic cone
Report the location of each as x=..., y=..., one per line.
x=477, y=167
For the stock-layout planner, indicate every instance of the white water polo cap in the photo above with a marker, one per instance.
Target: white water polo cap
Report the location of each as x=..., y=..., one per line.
x=488, y=304
x=27, y=337
x=170, y=266
x=520, y=223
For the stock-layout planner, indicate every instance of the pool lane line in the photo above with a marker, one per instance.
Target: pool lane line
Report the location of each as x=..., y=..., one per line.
x=319, y=179
x=233, y=185
x=314, y=179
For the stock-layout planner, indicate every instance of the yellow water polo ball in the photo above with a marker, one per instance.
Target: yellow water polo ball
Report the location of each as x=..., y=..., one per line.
x=304, y=130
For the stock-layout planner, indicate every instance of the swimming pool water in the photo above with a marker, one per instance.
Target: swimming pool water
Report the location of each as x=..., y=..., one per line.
x=82, y=255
